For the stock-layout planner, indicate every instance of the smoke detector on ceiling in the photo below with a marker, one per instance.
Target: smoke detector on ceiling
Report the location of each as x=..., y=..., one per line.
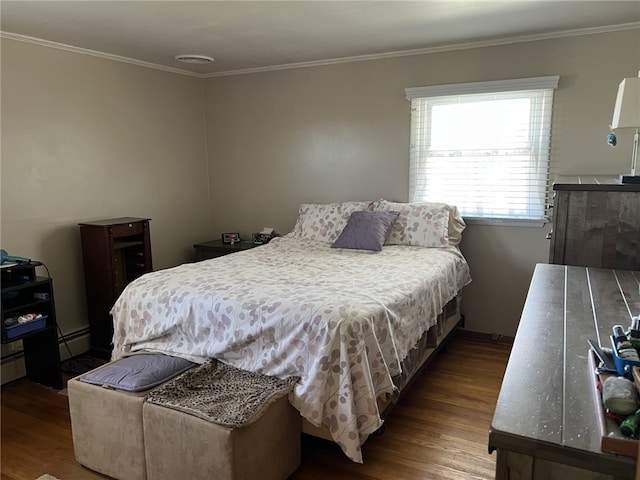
x=200, y=59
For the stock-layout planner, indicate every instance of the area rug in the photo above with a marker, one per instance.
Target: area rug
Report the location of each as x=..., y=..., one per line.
x=46, y=476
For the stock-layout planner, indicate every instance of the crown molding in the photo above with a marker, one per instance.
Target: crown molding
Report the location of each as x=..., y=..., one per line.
x=439, y=49
x=94, y=53
x=333, y=61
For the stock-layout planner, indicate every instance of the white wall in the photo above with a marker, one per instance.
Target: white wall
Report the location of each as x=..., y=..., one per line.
x=341, y=132
x=85, y=138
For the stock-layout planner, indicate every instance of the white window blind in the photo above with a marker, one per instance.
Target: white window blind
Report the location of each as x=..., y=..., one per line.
x=483, y=147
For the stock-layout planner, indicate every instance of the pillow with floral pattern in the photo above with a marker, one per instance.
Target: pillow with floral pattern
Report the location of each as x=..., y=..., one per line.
x=419, y=224
x=323, y=222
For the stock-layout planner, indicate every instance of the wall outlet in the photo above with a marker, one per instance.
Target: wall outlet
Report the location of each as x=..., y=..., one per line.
x=495, y=336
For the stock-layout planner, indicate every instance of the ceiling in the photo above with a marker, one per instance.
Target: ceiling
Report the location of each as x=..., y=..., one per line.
x=245, y=36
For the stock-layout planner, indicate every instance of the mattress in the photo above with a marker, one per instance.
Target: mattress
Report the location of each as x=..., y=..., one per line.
x=341, y=320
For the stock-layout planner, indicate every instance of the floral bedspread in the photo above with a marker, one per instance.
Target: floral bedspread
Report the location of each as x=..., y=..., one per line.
x=341, y=320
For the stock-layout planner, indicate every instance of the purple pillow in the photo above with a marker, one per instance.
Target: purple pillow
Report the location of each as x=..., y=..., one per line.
x=366, y=230
x=138, y=372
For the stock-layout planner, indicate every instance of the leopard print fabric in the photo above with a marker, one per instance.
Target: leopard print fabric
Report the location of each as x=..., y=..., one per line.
x=221, y=394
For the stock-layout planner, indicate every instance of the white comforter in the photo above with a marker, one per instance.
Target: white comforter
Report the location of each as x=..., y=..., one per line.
x=341, y=320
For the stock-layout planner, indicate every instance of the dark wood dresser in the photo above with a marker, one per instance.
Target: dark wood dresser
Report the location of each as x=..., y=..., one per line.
x=546, y=424
x=115, y=252
x=596, y=223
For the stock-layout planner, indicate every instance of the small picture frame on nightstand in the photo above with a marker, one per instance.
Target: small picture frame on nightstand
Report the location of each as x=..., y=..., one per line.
x=231, y=238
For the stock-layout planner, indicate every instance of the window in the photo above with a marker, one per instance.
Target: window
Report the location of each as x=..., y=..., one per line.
x=483, y=147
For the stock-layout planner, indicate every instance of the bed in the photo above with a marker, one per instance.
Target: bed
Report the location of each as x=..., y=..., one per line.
x=343, y=320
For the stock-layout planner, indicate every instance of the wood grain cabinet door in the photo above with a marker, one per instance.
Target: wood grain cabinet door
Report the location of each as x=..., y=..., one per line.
x=595, y=228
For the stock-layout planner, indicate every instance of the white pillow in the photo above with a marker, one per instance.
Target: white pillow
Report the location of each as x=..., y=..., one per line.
x=323, y=222
x=423, y=224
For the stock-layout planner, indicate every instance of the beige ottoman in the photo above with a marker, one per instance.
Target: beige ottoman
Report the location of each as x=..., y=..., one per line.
x=106, y=421
x=181, y=445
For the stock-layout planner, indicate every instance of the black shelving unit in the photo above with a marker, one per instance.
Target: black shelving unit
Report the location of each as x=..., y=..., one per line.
x=24, y=292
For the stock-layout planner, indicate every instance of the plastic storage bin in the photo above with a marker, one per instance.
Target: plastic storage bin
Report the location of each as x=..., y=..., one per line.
x=18, y=329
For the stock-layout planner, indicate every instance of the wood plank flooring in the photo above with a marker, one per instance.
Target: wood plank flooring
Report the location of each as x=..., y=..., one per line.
x=438, y=431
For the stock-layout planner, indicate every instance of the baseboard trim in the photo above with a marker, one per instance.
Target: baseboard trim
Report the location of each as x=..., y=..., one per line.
x=485, y=337
x=78, y=343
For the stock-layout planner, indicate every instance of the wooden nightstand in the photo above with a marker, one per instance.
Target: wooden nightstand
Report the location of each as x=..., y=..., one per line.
x=215, y=248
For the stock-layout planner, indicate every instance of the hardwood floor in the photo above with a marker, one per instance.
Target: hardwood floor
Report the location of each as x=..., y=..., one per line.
x=438, y=431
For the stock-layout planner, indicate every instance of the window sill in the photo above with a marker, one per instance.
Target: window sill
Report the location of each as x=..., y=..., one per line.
x=507, y=222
